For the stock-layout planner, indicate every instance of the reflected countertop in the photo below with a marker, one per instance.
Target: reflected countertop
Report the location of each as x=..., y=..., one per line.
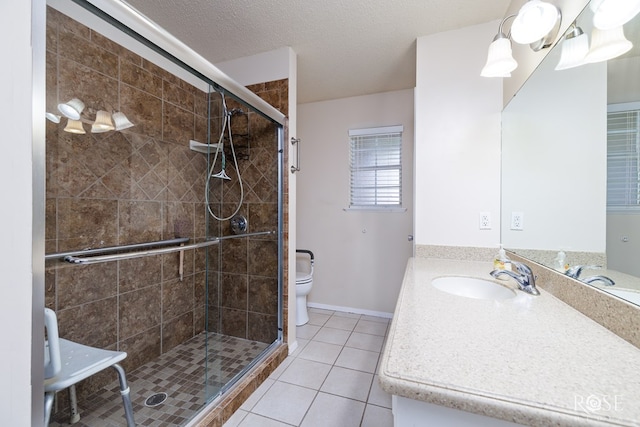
x=623, y=281
x=530, y=360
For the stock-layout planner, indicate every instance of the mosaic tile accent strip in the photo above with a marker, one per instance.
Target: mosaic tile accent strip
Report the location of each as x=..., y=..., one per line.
x=181, y=373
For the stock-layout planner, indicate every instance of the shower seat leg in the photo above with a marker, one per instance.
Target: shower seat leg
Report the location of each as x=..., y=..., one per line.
x=73, y=405
x=125, y=392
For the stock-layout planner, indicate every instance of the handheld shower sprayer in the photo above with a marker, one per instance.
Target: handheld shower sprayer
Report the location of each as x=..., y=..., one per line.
x=226, y=126
x=222, y=174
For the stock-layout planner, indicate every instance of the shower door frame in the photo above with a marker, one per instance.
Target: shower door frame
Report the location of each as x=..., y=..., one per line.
x=139, y=28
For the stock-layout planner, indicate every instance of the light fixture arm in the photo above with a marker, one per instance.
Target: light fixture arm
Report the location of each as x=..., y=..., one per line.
x=573, y=31
x=500, y=34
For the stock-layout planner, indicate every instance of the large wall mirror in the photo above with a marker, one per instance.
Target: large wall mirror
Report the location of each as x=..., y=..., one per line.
x=556, y=133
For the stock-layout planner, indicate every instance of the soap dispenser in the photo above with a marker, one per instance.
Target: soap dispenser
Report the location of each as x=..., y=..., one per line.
x=560, y=262
x=502, y=262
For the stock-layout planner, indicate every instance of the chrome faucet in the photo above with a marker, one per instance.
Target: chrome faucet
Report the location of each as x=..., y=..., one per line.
x=574, y=272
x=604, y=279
x=524, y=277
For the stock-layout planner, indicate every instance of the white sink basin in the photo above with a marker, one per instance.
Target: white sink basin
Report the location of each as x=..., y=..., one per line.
x=473, y=288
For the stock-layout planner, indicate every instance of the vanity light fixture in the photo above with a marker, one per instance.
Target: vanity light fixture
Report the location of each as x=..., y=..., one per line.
x=536, y=24
x=609, y=14
x=575, y=47
x=71, y=109
x=607, y=44
x=500, y=62
x=535, y=21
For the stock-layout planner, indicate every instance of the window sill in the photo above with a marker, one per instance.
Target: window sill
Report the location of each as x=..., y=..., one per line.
x=375, y=209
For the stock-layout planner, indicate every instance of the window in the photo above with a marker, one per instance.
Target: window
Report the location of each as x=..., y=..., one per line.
x=623, y=148
x=376, y=168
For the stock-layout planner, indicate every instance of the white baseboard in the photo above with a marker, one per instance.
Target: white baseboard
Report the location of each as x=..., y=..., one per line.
x=292, y=347
x=350, y=310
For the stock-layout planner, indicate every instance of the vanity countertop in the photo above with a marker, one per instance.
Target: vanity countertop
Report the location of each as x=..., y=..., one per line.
x=530, y=360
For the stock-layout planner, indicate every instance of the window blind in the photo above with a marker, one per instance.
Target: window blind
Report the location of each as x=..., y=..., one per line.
x=623, y=157
x=376, y=167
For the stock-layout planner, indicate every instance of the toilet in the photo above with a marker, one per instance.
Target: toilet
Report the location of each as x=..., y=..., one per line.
x=304, y=282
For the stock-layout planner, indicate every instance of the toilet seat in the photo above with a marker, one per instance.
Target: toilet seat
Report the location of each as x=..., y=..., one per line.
x=302, y=278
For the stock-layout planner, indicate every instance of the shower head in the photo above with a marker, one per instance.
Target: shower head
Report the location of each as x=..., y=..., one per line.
x=235, y=111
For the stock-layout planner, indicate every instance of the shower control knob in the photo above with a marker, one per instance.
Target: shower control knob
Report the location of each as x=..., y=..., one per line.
x=239, y=224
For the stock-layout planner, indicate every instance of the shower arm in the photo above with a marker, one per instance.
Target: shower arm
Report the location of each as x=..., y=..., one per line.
x=159, y=251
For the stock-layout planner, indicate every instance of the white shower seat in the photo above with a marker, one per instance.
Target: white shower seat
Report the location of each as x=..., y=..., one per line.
x=67, y=363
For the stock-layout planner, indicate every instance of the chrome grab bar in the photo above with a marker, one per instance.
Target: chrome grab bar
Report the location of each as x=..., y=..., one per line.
x=159, y=251
x=110, y=249
x=296, y=143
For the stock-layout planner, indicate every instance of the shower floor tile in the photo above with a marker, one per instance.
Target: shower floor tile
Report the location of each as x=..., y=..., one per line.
x=180, y=373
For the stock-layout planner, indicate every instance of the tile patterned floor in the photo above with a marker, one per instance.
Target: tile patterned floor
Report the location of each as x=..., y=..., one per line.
x=180, y=373
x=330, y=380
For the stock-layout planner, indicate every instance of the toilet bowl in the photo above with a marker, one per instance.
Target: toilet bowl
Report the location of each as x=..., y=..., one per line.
x=304, y=282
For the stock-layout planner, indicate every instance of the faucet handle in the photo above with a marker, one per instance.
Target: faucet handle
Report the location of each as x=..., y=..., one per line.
x=522, y=268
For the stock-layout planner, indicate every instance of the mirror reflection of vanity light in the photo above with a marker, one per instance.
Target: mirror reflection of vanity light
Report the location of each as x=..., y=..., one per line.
x=575, y=47
x=104, y=121
x=607, y=44
x=74, y=126
x=608, y=14
x=55, y=118
x=71, y=109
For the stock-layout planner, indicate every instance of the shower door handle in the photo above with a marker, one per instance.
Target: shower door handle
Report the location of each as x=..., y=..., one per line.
x=296, y=143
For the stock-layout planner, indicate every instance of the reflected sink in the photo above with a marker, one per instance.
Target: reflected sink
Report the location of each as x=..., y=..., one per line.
x=473, y=288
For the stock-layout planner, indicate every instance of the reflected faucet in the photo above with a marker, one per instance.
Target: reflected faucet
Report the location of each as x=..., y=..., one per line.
x=525, y=278
x=574, y=272
x=604, y=279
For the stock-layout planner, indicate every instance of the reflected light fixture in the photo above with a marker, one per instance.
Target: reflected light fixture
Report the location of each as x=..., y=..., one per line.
x=71, y=109
x=121, y=121
x=607, y=44
x=500, y=62
x=103, y=123
x=575, y=47
x=609, y=14
x=52, y=117
x=74, y=126
x=534, y=22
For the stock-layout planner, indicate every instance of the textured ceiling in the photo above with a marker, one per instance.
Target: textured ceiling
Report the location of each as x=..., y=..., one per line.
x=344, y=47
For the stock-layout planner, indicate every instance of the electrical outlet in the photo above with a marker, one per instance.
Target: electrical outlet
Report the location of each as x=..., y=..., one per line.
x=485, y=221
x=517, y=221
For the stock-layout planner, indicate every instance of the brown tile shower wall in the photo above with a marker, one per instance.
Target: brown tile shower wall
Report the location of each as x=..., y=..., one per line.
x=245, y=303
x=144, y=184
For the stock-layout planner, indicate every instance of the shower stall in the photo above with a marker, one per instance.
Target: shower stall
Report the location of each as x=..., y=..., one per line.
x=164, y=213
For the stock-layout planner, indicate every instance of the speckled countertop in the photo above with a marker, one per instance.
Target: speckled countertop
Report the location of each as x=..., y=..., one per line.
x=530, y=360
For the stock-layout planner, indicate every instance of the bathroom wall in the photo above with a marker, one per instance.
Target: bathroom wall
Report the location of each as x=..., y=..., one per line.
x=22, y=188
x=360, y=256
x=144, y=184
x=457, y=151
